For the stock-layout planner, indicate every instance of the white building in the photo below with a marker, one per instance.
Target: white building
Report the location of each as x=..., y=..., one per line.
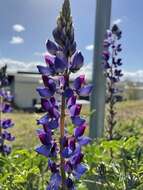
x=23, y=87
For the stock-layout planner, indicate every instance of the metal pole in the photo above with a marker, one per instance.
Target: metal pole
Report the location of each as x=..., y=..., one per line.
x=103, y=16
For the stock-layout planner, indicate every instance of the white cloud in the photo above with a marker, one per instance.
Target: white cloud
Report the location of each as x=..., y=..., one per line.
x=17, y=40
x=18, y=28
x=15, y=65
x=136, y=76
x=89, y=47
x=118, y=21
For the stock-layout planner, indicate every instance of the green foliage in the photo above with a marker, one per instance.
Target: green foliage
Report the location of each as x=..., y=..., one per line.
x=23, y=170
x=124, y=171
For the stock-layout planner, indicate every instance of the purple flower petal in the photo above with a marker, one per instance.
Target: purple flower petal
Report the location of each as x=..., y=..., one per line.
x=86, y=90
x=76, y=159
x=79, y=170
x=45, y=137
x=50, y=83
x=68, y=93
x=63, y=81
x=49, y=59
x=68, y=167
x=46, y=104
x=7, y=136
x=53, y=151
x=70, y=184
x=71, y=101
x=119, y=62
x=67, y=152
x=75, y=110
x=84, y=140
x=78, y=121
x=53, y=166
x=6, y=149
x=57, y=36
x=43, y=120
x=44, y=70
x=77, y=62
x=51, y=47
x=118, y=73
x=6, y=123
x=78, y=82
x=106, y=55
x=6, y=108
x=55, y=182
x=53, y=124
x=60, y=65
x=45, y=92
x=79, y=131
x=44, y=150
x=72, y=143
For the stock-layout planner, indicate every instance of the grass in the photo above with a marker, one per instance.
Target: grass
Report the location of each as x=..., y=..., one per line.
x=25, y=123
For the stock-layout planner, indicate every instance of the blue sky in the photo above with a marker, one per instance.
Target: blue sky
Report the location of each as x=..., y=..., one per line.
x=25, y=25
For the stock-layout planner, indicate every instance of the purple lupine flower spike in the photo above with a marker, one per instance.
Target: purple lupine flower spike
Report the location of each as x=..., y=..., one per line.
x=5, y=107
x=111, y=64
x=61, y=60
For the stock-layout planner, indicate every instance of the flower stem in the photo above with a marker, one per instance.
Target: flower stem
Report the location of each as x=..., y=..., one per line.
x=1, y=101
x=62, y=126
x=1, y=140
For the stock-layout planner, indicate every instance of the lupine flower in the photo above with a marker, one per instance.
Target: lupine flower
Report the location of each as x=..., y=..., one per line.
x=111, y=64
x=62, y=59
x=5, y=107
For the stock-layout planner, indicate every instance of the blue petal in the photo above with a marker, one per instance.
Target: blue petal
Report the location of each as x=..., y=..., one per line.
x=44, y=70
x=51, y=47
x=45, y=137
x=53, y=124
x=49, y=82
x=44, y=150
x=84, y=141
x=55, y=182
x=70, y=184
x=68, y=93
x=6, y=123
x=46, y=104
x=79, y=170
x=7, y=136
x=45, y=92
x=85, y=91
x=67, y=152
x=78, y=82
x=79, y=131
x=77, y=62
x=75, y=110
x=43, y=120
x=71, y=101
x=7, y=108
x=78, y=121
x=60, y=65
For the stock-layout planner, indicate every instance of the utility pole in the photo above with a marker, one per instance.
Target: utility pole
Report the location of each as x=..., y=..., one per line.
x=103, y=17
